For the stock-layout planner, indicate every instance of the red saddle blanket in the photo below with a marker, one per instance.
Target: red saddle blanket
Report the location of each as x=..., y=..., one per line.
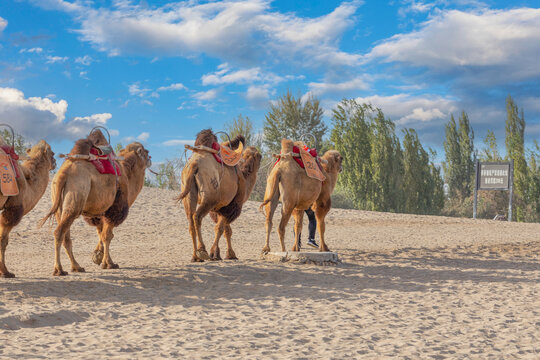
x=296, y=150
x=105, y=165
x=10, y=150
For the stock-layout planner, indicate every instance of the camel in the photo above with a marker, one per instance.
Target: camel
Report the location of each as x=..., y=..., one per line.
x=299, y=192
x=221, y=190
x=102, y=199
x=32, y=184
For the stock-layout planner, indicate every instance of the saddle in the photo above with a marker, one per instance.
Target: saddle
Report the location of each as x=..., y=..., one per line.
x=222, y=154
x=307, y=159
x=9, y=171
x=105, y=160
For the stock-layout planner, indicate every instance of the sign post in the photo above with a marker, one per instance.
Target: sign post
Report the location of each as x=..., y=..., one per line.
x=494, y=176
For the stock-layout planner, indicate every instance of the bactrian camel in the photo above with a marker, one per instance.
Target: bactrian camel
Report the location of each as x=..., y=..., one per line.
x=299, y=192
x=32, y=183
x=208, y=186
x=102, y=199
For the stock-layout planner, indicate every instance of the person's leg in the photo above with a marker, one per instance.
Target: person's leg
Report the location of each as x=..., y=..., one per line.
x=312, y=228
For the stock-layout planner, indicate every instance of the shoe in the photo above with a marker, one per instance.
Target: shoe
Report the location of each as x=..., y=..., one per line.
x=313, y=243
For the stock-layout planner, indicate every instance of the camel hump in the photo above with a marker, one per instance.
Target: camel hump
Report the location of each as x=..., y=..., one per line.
x=286, y=146
x=96, y=139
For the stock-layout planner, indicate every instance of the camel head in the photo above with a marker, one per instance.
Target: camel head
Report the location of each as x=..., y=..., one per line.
x=333, y=163
x=251, y=161
x=42, y=149
x=143, y=157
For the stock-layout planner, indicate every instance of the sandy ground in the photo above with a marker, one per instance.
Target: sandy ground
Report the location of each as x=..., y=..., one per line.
x=408, y=287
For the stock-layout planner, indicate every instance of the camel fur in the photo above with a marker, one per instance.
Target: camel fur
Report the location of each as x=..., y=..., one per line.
x=32, y=185
x=102, y=199
x=298, y=192
x=210, y=187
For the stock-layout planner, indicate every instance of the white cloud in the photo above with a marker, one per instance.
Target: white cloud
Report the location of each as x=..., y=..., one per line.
x=240, y=31
x=3, y=24
x=206, y=95
x=143, y=136
x=177, y=86
x=84, y=60
x=36, y=50
x=413, y=111
x=178, y=142
x=494, y=45
x=38, y=118
x=318, y=89
x=258, y=96
x=56, y=59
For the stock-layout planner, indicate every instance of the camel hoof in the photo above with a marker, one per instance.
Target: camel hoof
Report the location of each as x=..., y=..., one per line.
x=79, y=269
x=231, y=257
x=97, y=257
x=265, y=250
x=57, y=272
x=202, y=254
x=7, y=275
x=324, y=249
x=110, y=266
x=196, y=259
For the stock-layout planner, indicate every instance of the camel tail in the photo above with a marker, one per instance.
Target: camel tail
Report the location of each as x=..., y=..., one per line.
x=271, y=188
x=57, y=201
x=192, y=170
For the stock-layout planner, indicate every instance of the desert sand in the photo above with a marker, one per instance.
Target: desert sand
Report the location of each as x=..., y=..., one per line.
x=408, y=287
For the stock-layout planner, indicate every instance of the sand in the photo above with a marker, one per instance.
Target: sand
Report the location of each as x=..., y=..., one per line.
x=408, y=287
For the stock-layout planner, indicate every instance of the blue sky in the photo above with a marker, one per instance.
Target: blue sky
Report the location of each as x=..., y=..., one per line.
x=159, y=71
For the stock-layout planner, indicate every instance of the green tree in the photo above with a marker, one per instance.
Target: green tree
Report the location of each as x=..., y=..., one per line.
x=421, y=180
x=242, y=126
x=515, y=150
x=290, y=117
x=351, y=137
x=490, y=152
x=20, y=143
x=168, y=174
x=460, y=157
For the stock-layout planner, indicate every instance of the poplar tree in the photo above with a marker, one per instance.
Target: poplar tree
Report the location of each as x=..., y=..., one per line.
x=515, y=149
x=292, y=118
x=351, y=137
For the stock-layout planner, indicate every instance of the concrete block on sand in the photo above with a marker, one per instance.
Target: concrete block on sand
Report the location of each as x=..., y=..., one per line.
x=304, y=257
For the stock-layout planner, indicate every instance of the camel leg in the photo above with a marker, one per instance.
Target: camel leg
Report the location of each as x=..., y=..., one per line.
x=298, y=223
x=97, y=256
x=9, y=218
x=270, y=209
x=106, y=237
x=320, y=214
x=285, y=216
x=75, y=267
x=218, y=230
x=5, y=230
x=230, y=252
x=59, y=236
x=190, y=204
x=203, y=209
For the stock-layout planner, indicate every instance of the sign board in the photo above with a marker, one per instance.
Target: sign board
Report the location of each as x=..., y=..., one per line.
x=493, y=176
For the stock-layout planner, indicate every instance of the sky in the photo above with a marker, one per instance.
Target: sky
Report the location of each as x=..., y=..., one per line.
x=159, y=71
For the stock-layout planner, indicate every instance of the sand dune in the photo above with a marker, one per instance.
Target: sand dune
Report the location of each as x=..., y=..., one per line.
x=409, y=286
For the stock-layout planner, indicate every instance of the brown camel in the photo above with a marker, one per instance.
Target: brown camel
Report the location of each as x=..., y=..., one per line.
x=32, y=184
x=219, y=189
x=103, y=199
x=299, y=192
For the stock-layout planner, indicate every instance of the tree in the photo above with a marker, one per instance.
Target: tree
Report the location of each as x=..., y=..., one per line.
x=292, y=118
x=422, y=184
x=242, y=126
x=20, y=143
x=490, y=152
x=351, y=137
x=515, y=149
x=459, y=156
x=168, y=174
